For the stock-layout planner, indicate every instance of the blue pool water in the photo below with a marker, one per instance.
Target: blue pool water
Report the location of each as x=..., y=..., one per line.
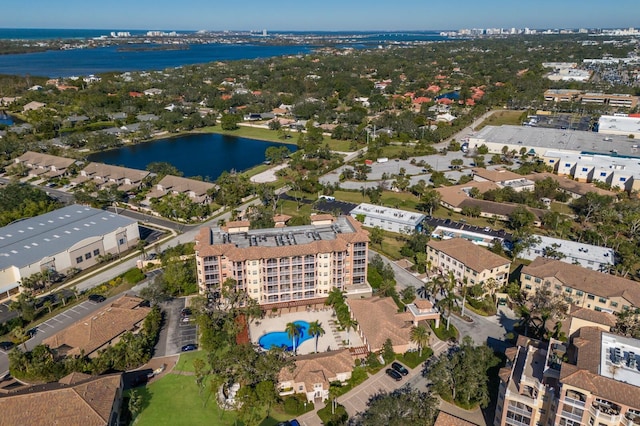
x=280, y=339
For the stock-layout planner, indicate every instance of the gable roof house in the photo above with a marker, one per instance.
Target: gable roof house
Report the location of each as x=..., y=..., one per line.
x=312, y=374
x=195, y=189
x=106, y=174
x=40, y=164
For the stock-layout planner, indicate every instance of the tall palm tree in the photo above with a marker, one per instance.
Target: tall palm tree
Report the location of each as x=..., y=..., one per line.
x=316, y=330
x=335, y=296
x=420, y=336
x=348, y=324
x=293, y=331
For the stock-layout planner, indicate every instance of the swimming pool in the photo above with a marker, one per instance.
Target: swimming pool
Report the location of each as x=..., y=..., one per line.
x=280, y=339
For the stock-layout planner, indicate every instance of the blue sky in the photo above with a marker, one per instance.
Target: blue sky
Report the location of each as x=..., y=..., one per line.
x=318, y=15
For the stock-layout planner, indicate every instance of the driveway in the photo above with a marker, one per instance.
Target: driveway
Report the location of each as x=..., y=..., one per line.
x=175, y=333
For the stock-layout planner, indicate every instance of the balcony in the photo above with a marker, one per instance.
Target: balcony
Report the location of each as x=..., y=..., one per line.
x=605, y=413
x=631, y=419
x=574, y=402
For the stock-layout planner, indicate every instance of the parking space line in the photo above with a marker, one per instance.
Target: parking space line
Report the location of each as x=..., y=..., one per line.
x=65, y=315
x=47, y=324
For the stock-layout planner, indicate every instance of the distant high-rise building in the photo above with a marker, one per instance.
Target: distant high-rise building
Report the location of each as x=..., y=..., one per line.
x=264, y=33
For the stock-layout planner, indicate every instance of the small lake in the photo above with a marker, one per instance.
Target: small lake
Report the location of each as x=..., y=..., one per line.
x=206, y=155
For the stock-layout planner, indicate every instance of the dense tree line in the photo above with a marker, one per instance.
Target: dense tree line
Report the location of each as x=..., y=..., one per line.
x=19, y=201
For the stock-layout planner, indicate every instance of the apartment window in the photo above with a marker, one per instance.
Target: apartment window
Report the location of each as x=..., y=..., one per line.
x=591, y=297
x=538, y=280
x=602, y=300
x=603, y=174
x=121, y=241
x=79, y=259
x=579, y=293
x=568, y=290
x=527, y=277
x=622, y=179
x=584, y=169
x=614, y=304
x=528, y=286
x=567, y=164
x=96, y=252
x=87, y=256
x=558, y=287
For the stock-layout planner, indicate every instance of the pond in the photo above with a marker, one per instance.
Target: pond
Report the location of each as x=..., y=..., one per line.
x=205, y=155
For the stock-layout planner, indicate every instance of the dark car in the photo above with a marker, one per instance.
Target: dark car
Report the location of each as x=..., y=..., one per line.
x=5, y=346
x=189, y=347
x=393, y=374
x=293, y=422
x=185, y=312
x=400, y=368
x=97, y=298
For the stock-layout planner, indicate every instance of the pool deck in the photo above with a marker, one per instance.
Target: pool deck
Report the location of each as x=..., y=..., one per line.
x=331, y=340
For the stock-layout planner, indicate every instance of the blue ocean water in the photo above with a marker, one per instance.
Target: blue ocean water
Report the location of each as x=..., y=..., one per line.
x=65, y=63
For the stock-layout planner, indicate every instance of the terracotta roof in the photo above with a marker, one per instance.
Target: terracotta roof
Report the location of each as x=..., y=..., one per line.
x=497, y=175
x=319, y=217
x=423, y=304
x=471, y=255
x=587, y=280
x=73, y=378
x=88, y=403
x=233, y=253
x=454, y=195
x=591, y=315
x=99, y=328
x=570, y=185
x=318, y=368
x=584, y=374
x=281, y=218
x=446, y=419
x=379, y=320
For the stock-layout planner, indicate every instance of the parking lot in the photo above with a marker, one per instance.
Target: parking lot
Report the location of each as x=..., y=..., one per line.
x=177, y=332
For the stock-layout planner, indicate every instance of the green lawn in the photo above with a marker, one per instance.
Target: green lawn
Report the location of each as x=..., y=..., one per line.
x=400, y=200
x=500, y=118
x=186, y=360
x=174, y=400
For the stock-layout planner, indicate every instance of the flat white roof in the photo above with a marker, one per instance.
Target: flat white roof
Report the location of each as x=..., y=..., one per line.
x=624, y=368
x=402, y=217
x=630, y=166
x=619, y=124
x=575, y=249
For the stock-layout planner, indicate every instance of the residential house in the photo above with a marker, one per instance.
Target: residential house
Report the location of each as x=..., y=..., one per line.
x=100, y=329
x=77, y=399
x=580, y=286
x=44, y=164
x=469, y=263
x=197, y=190
x=313, y=374
x=378, y=320
x=124, y=178
x=33, y=106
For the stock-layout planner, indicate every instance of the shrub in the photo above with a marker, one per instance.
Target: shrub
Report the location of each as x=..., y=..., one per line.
x=294, y=405
x=134, y=275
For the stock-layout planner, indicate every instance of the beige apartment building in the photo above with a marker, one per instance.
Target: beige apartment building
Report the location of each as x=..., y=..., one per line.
x=468, y=261
x=580, y=286
x=287, y=266
x=592, y=381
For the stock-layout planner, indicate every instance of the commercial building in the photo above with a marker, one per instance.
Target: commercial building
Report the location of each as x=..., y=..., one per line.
x=580, y=286
x=71, y=237
x=468, y=262
x=586, y=255
x=586, y=98
x=389, y=219
x=291, y=265
x=619, y=125
x=593, y=381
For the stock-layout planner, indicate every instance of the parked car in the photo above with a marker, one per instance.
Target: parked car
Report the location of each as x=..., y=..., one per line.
x=400, y=368
x=189, y=347
x=393, y=374
x=5, y=346
x=185, y=319
x=97, y=298
x=185, y=312
x=293, y=422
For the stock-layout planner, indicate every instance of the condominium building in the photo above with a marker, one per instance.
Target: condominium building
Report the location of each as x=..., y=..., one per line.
x=468, y=262
x=290, y=265
x=581, y=286
x=593, y=381
x=389, y=219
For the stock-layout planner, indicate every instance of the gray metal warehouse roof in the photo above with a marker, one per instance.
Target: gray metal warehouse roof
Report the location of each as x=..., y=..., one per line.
x=574, y=140
x=30, y=240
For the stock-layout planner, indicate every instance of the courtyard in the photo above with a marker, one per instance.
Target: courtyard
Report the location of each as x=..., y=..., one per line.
x=333, y=338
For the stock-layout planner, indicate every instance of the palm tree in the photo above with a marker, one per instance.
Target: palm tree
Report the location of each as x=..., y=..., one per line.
x=447, y=303
x=335, y=297
x=316, y=330
x=20, y=335
x=348, y=324
x=420, y=336
x=293, y=331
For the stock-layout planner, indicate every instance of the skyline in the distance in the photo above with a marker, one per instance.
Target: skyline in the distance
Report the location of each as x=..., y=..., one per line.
x=330, y=15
